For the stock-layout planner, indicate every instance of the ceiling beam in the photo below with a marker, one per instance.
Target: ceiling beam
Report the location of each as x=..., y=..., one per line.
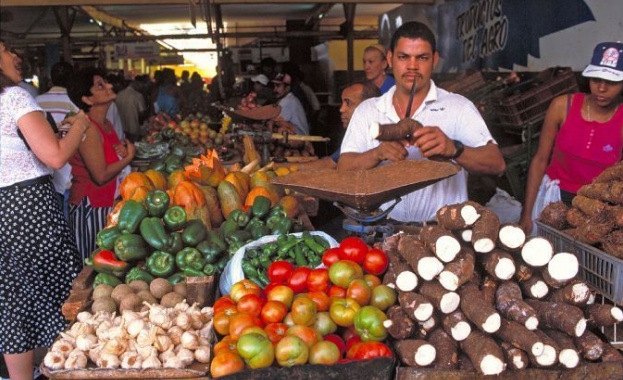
x=22, y=3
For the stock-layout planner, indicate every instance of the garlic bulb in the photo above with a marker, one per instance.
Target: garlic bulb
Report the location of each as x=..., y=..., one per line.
x=129, y=315
x=186, y=356
x=85, y=342
x=116, y=346
x=63, y=346
x=76, y=360
x=146, y=337
x=204, y=341
x=54, y=360
x=183, y=320
x=107, y=360
x=181, y=307
x=175, y=333
x=84, y=316
x=146, y=351
x=151, y=362
x=96, y=352
x=207, y=331
x=174, y=362
x=207, y=313
x=163, y=343
x=203, y=354
x=190, y=340
x=161, y=319
x=81, y=328
x=165, y=355
x=134, y=327
x=131, y=359
x=102, y=330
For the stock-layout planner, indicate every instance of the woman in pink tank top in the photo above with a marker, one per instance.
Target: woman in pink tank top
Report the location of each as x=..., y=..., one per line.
x=582, y=134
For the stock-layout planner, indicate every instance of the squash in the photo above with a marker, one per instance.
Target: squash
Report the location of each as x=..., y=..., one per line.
x=259, y=191
x=157, y=179
x=212, y=203
x=140, y=194
x=131, y=182
x=239, y=183
x=206, y=170
x=175, y=178
x=228, y=198
x=291, y=206
x=191, y=198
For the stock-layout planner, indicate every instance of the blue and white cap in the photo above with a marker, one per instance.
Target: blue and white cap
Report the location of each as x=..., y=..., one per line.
x=607, y=62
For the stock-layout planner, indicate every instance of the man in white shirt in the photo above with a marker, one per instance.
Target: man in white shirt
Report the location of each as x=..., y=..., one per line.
x=292, y=111
x=132, y=109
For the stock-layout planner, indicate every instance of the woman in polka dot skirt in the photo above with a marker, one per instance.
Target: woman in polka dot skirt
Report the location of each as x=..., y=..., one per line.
x=38, y=255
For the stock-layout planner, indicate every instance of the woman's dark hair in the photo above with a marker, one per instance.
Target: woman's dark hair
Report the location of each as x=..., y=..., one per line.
x=81, y=85
x=413, y=30
x=61, y=74
x=168, y=76
x=5, y=81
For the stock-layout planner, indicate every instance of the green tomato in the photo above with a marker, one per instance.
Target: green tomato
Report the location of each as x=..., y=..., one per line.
x=256, y=350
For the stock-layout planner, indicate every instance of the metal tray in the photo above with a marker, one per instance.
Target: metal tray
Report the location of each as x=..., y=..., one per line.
x=368, y=189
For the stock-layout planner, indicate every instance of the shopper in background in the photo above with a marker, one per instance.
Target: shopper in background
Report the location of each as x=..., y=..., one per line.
x=261, y=86
x=582, y=135
x=38, y=256
x=132, y=110
x=101, y=158
x=453, y=128
x=170, y=98
x=56, y=102
x=375, y=67
x=292, y=117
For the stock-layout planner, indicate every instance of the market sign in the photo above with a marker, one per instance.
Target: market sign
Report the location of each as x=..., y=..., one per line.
x=137, y=50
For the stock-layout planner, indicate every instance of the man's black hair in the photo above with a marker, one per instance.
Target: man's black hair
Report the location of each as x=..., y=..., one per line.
x=413, y=30
x=62, y=74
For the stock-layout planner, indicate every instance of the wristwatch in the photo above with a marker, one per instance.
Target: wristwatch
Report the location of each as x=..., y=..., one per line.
x=459, y=149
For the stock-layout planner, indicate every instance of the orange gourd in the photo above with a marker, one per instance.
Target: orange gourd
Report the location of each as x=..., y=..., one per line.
x=259, y=191
x=157, y=179
x=131, y=182
x=229, y=198
x=291, y=206
x=191, y=198
x=176, y=177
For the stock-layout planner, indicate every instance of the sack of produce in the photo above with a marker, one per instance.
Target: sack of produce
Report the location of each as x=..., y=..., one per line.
x=233, y=272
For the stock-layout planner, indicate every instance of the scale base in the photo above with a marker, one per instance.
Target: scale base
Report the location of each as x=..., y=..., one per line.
x=370, y=233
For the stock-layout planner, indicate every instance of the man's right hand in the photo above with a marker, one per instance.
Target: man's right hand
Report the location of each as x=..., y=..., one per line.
x=391, y=150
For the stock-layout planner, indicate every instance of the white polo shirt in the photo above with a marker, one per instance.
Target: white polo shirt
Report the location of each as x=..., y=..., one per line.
x=454, y=114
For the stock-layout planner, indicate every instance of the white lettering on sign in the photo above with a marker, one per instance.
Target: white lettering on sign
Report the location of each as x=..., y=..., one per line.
x=482, y=29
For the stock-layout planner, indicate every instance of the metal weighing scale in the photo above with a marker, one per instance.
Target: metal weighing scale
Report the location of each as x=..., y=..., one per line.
x=360, y=194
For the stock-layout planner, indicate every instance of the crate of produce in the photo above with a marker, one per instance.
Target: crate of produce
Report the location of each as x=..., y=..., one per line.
x=529, y=100
x=465, y=83
x=600, y=270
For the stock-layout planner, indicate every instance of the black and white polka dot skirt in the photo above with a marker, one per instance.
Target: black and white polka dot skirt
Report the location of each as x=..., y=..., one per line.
x=38, y=262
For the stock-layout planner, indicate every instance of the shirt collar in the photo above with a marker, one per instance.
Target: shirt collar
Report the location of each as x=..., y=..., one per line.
x=386, y=104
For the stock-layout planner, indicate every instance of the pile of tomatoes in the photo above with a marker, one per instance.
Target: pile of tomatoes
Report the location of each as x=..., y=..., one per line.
x=319, y=316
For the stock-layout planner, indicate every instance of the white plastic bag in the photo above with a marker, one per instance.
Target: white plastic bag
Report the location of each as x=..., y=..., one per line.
x=233, y=270
x=507, y=208
x=549, y=192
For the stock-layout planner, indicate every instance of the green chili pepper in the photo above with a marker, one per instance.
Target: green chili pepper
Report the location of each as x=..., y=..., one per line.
x=106, y=238
x=271, y=248
x=130, y=247
x=248, y=269
x=176, y=278
x=136, y=274
x=320, y=240
x=239, y=216
x=265, y=261
x=154, y=234
x=106, y=278
x=130, y=216
x=157, y=202
x=161, y=264
x=233, y=247
x=251, y=253
x=313, y=245
x=190, y=272
x=175, y=218
x=189, y=258
x=194, y=232
x=263, y=277
x=284, y=248
x=299, y=256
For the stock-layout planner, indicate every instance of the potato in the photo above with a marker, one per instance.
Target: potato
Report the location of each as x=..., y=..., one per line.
x=146, y=296
x=130, y=302
x=102, y=290
x=180, y=288
x=171, y=299
x=104, y=304
x=139, y=285
x=159, y=287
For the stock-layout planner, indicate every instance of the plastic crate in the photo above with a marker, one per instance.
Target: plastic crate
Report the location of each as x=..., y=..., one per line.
x=532, y=103
x=603, y=272
x=465, y=84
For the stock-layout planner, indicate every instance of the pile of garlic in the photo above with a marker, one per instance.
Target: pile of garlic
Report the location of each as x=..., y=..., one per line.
x=159, y=337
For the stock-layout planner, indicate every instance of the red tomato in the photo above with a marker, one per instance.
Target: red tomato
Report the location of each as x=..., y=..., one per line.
x=226, y=363
x=282, y=294
x=372, y=280
x=350, y=336
x=269, y=287
x=370, y=350
x=338, y=341
x=242, y=288
x=331, y=255
x=251, y=304
x=222, y=320
x=291, y=350
x=359, y=291
x=274, y=312
x=241, y=321
x=375, y=262
x=298, y=279
x=303, y=311
x=337, y=291
x=279, y=271
x=352, y=345
x=308, y=334
x=321, y=299
x=324, y=352
x=227, y=344
x=344, y=271
x=353, y=249
x=222, y=303
x=318, y=280
x=276, y=331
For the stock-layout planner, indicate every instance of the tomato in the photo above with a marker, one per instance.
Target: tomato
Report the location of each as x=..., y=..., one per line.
x=242, y=288
x=282, y=294
x=288, y=320
x=303, y=311
x=324, y=352
x=369, y=324
x=375, y=262
x=359, y=291
x=331, y=256
x=298, y=279
x=354, y=249
x=226, y=344
x=321, y=299
x=383, y=297
x=372, y=280
x=251, y=304
x=269, y=287
x=253, y=329
x=226, y=363
x=222, y=319
x=343, y=311
x=324, y=324
x=348, y=334
x=222, y=303
x=338, y=341
x=256, y=350
x=241, y=321
x=336, y=291
x=279, y=271
x=318, y=280
x=273, y=312
x=343, y=272
x=276, y=331
x=291, y=350
x=370, y=350
x=308, y=334
x=352, y=345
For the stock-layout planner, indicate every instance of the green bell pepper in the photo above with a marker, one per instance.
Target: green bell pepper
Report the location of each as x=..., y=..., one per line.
x=227, y=228
x=209, y=250
x=106, y=278
x=261, y=206
x=176, y=278
x=189, y=258
x=209, y=269
x=194, y=232
x=277, y=210
x=157, y=165
x=152, y=231
x=130, y=247
x=273, y=220
x=176, y=244
x=281, y=227
x=369, y=324
x=130, y=216
x=222, y=263
x=105, y=261
x=259, y=231
x=214, y=237
x=190, y=272
x=105, y=238
x=168, y=133
x=175, y=218
x=241, y=236
x=239, y=216
x=138, y=274
x=161, y=264
x=157, y=202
